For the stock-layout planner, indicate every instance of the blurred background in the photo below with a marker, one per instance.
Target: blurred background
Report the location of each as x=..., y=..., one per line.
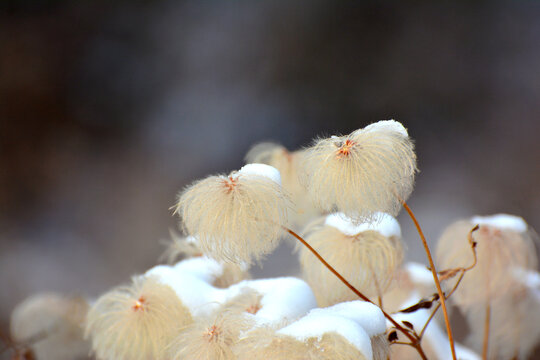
x=108, y=109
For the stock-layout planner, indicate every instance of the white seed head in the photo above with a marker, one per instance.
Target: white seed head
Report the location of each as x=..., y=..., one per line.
x=514, y=330
x=368, y=260
x=288, y=163
x=136, y=322
x=53, y=325
x=236, y=218
x=498, y=250
x=367, y=171
x=210, y=338
x=264, y=344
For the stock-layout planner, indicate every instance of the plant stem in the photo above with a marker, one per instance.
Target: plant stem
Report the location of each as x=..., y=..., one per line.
x=486, y=331
x=415, y=342
x=435, y=278
x=463, y=271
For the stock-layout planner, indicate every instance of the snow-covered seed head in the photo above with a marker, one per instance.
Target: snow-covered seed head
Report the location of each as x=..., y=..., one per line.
x=369, y=170
x=503, y=243
x=136, y=322
x=514, y=318
x=209, y=338
x=367, y=255
x=53, y=324
x=329, y=346
x=288, y=163
x=180, y=248
x=238, y=217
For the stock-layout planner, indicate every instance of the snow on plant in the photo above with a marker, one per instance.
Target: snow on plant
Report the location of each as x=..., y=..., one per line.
x=369, y=254
x=358, y=301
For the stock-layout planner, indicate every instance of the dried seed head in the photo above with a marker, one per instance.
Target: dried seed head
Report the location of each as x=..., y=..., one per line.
x=330, y=346
x=499, y=248
x=367, y=259
x=236, y=218
x=326, y=344
x=136, y=322
x=53, y=325
x=514, y=318
x=209, y=338
x=288, y=164
x=179, y=248
x=369, y=170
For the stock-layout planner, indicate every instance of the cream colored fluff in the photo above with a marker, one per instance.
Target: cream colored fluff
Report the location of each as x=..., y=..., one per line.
x=369, y=170
x=270, y=346
x=498, y=251
x=53, y=325
x=288, y=163
x=368, y=260
x=136, y=322
x=210, y=339
x=236, y=218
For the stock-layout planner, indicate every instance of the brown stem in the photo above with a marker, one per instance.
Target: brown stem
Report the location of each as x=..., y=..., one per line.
x=414, y=341
x=439, y=305
x=463, y=271
x=435, y=278
x=486, y=332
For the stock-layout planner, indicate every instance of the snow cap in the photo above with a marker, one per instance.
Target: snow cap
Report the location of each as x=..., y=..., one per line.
x=365, y=314
x=315, y=325
x=264, y=170
x=387, y=125
x=383, y=223
x=294, y=298
x=502, y=221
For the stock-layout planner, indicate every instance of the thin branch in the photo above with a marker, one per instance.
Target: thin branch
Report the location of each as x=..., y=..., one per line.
x=462, y=273
x=435, y=278
x=486, y=332
x=357, y=292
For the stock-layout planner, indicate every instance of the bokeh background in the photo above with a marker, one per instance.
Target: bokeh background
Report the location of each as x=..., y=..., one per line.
x=109, y=108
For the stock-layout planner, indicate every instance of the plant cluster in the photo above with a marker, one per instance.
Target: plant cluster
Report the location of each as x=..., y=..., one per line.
x=357, y=299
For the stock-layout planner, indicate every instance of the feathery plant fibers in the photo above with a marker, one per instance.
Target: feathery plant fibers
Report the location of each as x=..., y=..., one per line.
x=136, y=322
x=369, y=170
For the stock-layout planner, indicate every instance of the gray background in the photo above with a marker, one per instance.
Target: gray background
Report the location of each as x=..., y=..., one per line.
x=108, y=110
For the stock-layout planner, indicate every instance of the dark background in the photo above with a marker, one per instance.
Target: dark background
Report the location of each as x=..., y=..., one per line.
x=107, y=109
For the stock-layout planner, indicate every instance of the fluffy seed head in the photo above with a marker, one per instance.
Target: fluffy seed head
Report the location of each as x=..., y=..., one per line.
x=514, y=330
x=179, y=248
x=209, y=338
x=498, y=250
x=136, y=322
x=368, y=260
x=53, y=324
x=236, y=217
x=265, y=343
x=369, y=170
x=288, y=163
x=330, y=346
